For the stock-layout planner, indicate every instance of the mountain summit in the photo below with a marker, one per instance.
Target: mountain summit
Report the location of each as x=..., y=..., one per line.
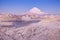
x=36, y=10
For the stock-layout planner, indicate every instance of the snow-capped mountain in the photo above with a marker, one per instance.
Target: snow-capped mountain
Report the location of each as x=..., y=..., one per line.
x=34, y=25
x=33, y=13
x=35, y=10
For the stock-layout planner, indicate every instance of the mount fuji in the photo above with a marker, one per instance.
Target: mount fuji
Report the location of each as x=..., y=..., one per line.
x=33, y=25
x=36, y=10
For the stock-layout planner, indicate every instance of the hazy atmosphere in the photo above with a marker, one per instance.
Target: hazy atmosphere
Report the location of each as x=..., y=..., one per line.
x=29, y=20
x=20, y=6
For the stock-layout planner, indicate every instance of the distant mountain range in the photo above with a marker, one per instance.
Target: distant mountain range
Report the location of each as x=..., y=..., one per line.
x=33, y=25
x=34, y=13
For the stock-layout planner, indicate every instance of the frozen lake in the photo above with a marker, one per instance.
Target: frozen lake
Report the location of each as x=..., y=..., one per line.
x=17, y=23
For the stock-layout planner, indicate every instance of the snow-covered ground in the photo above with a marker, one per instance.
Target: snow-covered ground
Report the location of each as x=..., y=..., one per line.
x=47, y=28
x=34, y=25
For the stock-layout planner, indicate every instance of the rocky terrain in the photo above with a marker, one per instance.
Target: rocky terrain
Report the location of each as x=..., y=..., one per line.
x=29, y=27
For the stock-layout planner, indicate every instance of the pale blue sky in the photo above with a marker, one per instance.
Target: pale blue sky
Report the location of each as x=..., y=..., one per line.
x=19, y=6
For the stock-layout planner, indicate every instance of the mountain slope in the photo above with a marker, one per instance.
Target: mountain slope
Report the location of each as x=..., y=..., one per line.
x=36, y=11
x=46, y=29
